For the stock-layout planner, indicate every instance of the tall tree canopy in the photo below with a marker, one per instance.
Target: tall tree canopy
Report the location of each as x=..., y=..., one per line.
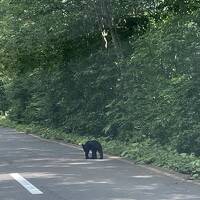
x=127, y=69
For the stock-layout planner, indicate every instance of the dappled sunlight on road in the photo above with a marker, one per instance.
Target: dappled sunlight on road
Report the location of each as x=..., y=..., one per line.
x=100, y=167
x=5, y=177
x=86, y=182
x=79, y=163
x=146, y=187
x=121, y=199
x=142, y=176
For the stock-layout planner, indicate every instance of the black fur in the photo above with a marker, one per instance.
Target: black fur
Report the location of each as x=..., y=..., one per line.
x=93, y=146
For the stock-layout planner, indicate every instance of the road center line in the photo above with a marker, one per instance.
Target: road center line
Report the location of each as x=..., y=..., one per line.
x=26, y=184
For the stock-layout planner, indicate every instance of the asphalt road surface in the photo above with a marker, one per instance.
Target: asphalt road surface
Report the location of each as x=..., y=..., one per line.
x=34, y=169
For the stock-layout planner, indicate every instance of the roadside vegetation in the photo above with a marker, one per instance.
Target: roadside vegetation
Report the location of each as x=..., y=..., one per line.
x=125, y=72
x=145, y=152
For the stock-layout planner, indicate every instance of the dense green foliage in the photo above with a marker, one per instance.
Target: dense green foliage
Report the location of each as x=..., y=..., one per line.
x=3, y=99
x=125, y=70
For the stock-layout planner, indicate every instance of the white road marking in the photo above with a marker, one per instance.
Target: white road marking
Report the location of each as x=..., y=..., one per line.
x=26, y=184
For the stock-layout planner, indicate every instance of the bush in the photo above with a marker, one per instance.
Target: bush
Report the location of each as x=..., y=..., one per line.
x=189, y=141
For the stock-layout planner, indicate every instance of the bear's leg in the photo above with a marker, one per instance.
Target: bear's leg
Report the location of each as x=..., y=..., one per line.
x=101, y=154
x=94, y=154
x=87, y=155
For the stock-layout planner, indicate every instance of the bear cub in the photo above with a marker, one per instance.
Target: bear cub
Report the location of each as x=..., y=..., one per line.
x=93, y=146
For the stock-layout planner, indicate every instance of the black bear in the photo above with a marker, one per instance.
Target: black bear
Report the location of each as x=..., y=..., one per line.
x=93, y=146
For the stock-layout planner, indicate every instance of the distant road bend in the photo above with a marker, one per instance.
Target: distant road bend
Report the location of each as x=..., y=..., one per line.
x=31, y=169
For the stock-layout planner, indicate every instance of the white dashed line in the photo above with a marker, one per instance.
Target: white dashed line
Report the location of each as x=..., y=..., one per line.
x=26, y=184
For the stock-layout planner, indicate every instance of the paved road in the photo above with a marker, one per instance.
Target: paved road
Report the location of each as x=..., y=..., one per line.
x=61, y=173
